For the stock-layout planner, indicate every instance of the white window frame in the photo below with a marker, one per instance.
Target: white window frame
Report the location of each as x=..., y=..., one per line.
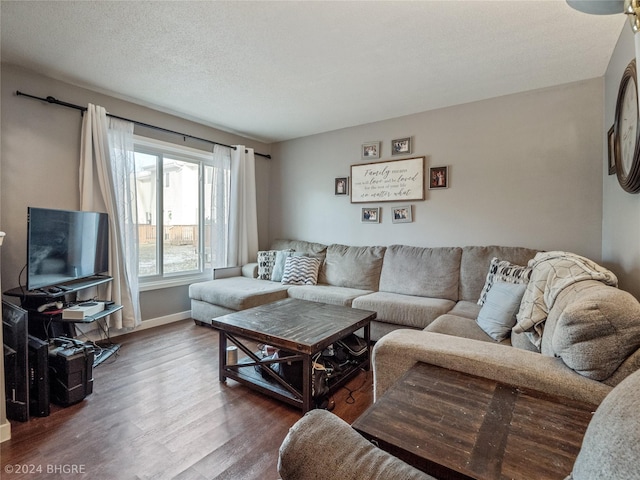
x=202, y=158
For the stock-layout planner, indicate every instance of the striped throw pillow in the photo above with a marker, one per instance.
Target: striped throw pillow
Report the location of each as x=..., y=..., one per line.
x=301, y=271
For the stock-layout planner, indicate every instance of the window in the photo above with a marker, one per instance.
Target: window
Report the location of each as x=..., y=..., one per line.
x=175, y=211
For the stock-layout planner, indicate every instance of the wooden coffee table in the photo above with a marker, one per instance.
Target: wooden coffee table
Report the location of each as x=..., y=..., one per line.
x=299, y=327
x=457, y=426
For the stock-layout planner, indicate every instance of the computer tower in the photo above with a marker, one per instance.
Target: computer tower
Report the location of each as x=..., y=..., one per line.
x=70, y=371
x=38, y=377
x=14, y=333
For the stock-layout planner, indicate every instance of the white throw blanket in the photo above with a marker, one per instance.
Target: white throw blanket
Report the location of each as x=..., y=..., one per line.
x=551, y=273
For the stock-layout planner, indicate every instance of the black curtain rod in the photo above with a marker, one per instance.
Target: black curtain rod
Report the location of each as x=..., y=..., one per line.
x=84, y=109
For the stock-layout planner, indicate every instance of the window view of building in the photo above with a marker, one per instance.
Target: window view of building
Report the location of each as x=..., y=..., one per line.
x=175, y=206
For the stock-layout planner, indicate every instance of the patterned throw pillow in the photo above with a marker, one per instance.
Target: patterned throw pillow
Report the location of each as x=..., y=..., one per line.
x=266, y=261
x=301, y=271
x=504, y=271
x=278, y=267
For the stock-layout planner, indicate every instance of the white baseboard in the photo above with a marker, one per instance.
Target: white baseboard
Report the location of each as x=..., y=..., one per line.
x=5, y=431
x=156, y=322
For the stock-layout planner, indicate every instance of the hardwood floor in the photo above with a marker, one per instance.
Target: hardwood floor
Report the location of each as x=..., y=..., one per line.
x=158, y=411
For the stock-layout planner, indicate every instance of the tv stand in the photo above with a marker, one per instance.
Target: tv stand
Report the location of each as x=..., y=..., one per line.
x=49, y=324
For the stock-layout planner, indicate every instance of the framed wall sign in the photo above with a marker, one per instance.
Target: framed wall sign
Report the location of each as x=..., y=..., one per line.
x=390, y=181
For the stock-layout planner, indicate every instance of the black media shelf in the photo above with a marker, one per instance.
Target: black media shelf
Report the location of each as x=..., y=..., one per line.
x=64, y=288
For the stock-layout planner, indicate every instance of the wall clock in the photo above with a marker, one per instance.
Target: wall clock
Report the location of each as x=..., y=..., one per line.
x=627, y=131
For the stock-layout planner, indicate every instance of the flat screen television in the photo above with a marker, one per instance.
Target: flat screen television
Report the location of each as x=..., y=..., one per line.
x=64, y=245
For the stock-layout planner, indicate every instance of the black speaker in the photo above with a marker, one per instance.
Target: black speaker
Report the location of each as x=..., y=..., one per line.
x=70, y=371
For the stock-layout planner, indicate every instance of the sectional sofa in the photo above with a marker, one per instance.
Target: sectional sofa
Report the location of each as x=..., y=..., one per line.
x=408, y=287
x=439, y=306
x=590, y=338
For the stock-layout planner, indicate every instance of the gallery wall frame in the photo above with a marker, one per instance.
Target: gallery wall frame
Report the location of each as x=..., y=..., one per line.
x=370, y=215
x=341, y=186
x=370, y=150
x=401, y=214
x=401, y=146
x=388, y=181
x=438, y=177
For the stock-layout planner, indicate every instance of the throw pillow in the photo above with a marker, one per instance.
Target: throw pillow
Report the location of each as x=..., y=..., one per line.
x=301, y=271
x=504, y=271
x=266, y=261
x=278, y=266
x=498, y=314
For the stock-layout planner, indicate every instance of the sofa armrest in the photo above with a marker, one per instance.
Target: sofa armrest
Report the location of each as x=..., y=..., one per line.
x=250, y=270
x=397, y=351
x=321, y=445
x=225, y=272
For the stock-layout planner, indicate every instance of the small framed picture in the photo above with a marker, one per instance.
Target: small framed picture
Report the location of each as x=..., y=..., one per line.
x=370, y=215
x=401, y=146
x=401, y=214
x=612, y=151
x=371, y=150
x=342, y=186
x=438, y=177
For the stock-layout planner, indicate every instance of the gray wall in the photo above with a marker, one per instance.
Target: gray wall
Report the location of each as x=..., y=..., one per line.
x=525, y=170
x=40, y=159
x=621, y=210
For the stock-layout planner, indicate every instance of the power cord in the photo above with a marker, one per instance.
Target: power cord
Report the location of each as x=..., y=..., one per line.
x=350, y=398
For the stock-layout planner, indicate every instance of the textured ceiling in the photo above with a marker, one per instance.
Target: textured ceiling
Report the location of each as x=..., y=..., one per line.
x=280, y=70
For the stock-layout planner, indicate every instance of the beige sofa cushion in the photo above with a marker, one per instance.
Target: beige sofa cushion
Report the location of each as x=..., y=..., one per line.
x=321, y=445
x=466, y=309
x=475, y=262
x=238, y=293
x=424, y=272
x=594, y=335
x=353, y=267
x=461, y=327
x=300, y=246
x=326, y=294
x=611, y=446
x=405, y=310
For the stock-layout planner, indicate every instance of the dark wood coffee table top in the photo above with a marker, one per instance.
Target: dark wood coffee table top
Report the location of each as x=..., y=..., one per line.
x=295, y=325
x=458, y=426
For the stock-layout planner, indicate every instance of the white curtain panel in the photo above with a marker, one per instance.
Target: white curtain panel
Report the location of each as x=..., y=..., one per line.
x=243, y=224
x=219, y=207
x=107, y=171
x=234, y=226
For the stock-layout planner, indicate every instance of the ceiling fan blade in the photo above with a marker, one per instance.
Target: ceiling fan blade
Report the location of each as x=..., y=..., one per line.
x=597, y=7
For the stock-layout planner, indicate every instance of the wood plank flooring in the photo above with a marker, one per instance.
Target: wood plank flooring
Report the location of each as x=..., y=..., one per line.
x=158, y=411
